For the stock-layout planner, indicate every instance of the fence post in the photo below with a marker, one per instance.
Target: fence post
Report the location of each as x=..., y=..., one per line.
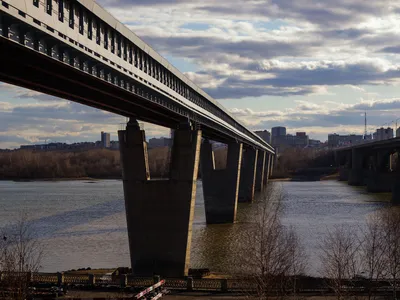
x=92, y=279
x=189, y=284
x=156, y=279
x=123, y=280
x=29, y=277
x=224, y=285
x=60, y=278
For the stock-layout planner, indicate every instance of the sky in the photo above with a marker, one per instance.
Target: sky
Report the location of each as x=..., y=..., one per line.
x=313, y=66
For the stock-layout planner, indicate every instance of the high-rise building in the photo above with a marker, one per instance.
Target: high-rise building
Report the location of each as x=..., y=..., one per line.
x=278, y=131
x=398, y=132
x=335, y=140
x=265, y=135
x=105, y=140
x=383, y=134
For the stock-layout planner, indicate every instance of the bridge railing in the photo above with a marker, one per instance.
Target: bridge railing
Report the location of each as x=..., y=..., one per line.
x=235, y=285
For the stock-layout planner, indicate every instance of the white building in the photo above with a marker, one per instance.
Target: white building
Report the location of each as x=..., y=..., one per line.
x=383, y=134
x=105, y=140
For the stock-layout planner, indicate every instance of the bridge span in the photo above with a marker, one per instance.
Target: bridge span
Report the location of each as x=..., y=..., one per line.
x=374, y=164
x=76, y=50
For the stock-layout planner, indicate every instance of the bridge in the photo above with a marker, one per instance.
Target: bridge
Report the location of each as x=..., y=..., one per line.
x=76, y=50
x=374, y=164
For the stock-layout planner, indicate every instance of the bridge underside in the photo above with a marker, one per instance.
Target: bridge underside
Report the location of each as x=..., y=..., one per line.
x=35, y=71
x=38, y=57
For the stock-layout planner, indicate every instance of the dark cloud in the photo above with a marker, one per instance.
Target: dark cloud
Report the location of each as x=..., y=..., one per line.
x=201, y=47
x=225, y=91
x=390, y=49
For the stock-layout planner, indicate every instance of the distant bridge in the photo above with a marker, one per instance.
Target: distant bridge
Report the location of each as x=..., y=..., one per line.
x=374, y=164
x=74, y=49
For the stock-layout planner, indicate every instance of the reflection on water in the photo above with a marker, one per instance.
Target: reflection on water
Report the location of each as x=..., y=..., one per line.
x=83, y=224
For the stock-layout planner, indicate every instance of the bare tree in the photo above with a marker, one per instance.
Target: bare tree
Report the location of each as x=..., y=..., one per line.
x=340, y=259
x=20, y=256
x=373, y=251
x=390, y=221
x=268, y=252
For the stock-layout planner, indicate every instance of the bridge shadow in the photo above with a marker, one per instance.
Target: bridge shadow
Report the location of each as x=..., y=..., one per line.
x=54, y=225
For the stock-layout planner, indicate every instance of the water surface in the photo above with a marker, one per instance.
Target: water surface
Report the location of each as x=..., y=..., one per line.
x=82, y=223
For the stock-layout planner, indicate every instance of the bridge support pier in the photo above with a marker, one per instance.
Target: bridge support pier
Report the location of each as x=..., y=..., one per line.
x=267, y=168
x=221, y=187
x=260, y=171
x=356, y=174
x=379, y=182
x=396, y=189
x=159, y=213
x=344, y=174
x=248, y=175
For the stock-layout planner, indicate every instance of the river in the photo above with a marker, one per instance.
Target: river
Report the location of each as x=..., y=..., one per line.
x=82, y=223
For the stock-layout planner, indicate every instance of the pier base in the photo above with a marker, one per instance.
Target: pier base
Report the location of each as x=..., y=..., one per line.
x=159, y=213
x=344, y=174
x=396, y=190
x=220, y=187
x=356, y=177
x=378, y=182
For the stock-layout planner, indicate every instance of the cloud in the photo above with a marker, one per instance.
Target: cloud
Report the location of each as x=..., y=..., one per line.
x=57, y=121
x=319, y=120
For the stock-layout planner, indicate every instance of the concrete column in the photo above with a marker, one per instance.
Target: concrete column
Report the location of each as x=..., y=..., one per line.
x=248, y=175
x=356, y=174
x=344, y=173
x=379, y=182
x=273, y=159
x=396, y=189
x=159, y=213
x=267, y=168
x=260, y=172
x=221, y=187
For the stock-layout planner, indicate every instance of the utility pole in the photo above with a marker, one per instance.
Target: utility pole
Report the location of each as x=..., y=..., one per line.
x=365, y=125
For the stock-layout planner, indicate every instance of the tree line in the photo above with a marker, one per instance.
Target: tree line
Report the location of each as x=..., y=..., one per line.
x=94, y=163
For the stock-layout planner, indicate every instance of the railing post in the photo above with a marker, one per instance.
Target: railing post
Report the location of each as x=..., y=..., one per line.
x=224, y=285
x=189, y=284
x=92, y=279
x=156, y=279
x=29, y=277
x=60, y=278
x=123, y=280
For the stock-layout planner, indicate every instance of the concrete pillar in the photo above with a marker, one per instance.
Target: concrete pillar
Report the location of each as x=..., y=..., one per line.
x=396, y=189
x=344, y=173
x=379, y=182
x=159, y=213
x=267, y=168
x=271, y=169
x=248, y=175
x=260, y=172
x=221, y=187
x=356, y=174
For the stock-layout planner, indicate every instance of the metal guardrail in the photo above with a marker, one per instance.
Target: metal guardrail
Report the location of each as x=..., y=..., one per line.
x=187, y=283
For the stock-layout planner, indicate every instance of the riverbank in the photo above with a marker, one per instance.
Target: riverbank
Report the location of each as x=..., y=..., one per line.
x=306, y=174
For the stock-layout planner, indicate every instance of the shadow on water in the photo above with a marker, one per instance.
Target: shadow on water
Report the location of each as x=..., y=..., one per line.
x=54, y=225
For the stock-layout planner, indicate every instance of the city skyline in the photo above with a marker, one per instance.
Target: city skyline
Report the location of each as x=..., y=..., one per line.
x=311, y=67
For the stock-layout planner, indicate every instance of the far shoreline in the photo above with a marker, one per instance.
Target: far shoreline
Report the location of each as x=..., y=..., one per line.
x=56, y=179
